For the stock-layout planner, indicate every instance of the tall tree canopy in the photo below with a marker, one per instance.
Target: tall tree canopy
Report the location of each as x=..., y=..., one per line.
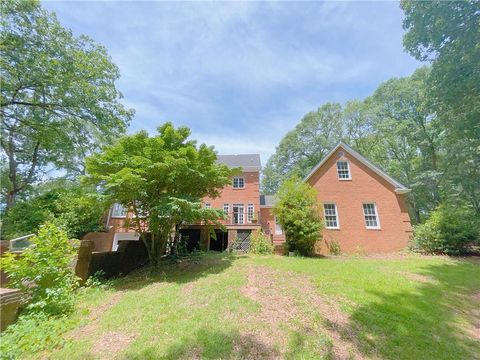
x=447, y=33
x=396, y=127
x=58, y=96
x=162, y=179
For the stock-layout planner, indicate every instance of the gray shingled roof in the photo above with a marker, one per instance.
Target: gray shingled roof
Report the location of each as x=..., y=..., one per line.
x=245, y=161
x=268, y=200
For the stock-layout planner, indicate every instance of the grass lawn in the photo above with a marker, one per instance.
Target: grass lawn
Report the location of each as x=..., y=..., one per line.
x=227, y=306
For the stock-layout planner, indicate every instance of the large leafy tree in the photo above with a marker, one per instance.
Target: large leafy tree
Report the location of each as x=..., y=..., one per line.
x=447, y=33
x=410, y=138
x=162, y=180
x=316, y=134
x=58, y=96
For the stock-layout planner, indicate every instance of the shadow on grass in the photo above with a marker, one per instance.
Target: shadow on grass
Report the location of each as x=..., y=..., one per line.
x=422, y=324
x=180, y=271
x=212, y=344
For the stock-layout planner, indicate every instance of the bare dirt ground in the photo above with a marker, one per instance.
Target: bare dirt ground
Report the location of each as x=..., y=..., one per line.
x=290, y=301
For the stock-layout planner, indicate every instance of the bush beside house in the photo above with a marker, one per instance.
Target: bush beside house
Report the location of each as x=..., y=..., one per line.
x=449, y=230
x=297, y=210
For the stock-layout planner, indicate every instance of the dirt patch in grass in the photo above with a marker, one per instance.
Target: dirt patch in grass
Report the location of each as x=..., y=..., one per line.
x=290, y=301
x=111, y=343
x=417, y=277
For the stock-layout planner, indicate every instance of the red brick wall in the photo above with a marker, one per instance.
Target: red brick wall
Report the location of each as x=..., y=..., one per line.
x=268, y=225
x=349, y=195
x=250, y=194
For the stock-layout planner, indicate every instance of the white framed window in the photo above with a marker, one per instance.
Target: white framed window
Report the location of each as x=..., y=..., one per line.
x=208, y=205
x=238, y=182
x=343, y=170
x=331, y=216
x=238, y=213
x=371, y=216
x=278, y=227
x=250, y=212
x=226, y=209
x=119, y=211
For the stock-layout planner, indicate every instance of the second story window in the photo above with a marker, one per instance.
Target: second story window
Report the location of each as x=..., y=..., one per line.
x=119, y=211
x=208, y=206
x=226, y=209
x=238, y=183
x=343, y=169
x=237, y=213
x=250, y=213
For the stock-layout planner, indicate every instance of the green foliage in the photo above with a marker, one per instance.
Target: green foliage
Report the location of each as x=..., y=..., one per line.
x=334, y=248
x=298, y=213
x=76, y=209
x=33, y=333
x=58, y=96
x=260, y=243
x=43, y=272
x=162, y=179
x=449, y=230
x=447, y=33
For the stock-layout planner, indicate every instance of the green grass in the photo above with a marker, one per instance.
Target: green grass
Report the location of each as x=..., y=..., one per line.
x=400, y=308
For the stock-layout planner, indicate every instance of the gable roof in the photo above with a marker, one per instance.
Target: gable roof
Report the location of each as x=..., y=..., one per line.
x=248, y=162
x=399, y=188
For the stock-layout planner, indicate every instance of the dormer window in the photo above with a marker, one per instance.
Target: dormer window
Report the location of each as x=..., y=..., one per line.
x=343, y=169
x=238, y=183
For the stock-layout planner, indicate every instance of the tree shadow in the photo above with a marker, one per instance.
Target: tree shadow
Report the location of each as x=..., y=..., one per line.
x=422, y=324
x=181, y=271
x=212, y=344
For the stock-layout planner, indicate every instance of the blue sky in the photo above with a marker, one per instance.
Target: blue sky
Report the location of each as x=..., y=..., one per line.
x=242, y=74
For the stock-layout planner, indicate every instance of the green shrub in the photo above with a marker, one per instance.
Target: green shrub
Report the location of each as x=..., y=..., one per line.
x=43, y=272
x=448, y=231
x=33, y=333
x=334, y=248
x=74, y=208
x=260, y=243
x=298, y=213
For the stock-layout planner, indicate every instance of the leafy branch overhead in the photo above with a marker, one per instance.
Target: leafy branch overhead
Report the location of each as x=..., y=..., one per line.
x=58, y=96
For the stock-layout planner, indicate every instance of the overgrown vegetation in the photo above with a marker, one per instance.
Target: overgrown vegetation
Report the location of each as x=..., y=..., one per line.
x=297, y=211
x=449, y=230
x=43, y=272
x=74, y=208
x=260, y=243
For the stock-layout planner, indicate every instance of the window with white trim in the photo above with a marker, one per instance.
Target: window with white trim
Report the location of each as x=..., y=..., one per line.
x=371, y=216
x=237, y=213
x=278, y=227
x=226, y=209
x=238, y=183
x=208, y=206
x=331, y=216
x=250, y=212
x=343, y=170
x=119, y=211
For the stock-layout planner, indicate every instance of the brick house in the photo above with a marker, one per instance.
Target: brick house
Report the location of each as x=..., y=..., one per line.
x=364, y=209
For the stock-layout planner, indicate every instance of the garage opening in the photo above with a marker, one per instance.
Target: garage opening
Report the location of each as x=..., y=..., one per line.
x=192, y=237
x=221, y=243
